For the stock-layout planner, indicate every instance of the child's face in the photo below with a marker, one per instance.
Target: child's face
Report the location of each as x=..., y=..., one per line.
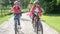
x=16, y=5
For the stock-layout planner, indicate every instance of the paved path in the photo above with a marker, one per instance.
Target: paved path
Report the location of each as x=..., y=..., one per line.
x=8, y=27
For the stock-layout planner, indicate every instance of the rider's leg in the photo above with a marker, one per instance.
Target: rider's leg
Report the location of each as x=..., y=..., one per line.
x=19, y=21
x=19, y=27
x=39, y=26
x=15, y=20
x=33, y=18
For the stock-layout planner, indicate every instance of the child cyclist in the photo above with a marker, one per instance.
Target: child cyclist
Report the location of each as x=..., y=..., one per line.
x=37, y=8
x=17, y=10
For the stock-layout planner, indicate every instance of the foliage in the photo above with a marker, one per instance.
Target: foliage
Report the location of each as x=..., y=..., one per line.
x=50, y=6
x=12, y=2
x=5, y=18
x=24, y=3
x=58, y=2
x=5, y=2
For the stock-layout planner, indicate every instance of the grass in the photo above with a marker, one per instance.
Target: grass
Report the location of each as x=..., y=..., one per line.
x=53, y=20
x=4, y=16
x=2, y=19
x=4, y=12
x=25, y=10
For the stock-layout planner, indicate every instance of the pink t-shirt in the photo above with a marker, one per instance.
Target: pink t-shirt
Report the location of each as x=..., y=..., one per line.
x=16, y=10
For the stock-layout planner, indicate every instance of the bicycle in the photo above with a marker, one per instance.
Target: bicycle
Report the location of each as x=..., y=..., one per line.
x=37, y=24
x=16, y=23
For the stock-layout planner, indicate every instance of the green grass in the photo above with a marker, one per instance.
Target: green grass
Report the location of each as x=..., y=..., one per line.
x=25, y=10
x=2, y=19
x=4, y=12
x=52, y=20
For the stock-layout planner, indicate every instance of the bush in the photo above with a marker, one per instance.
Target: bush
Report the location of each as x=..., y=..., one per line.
x=50, y=6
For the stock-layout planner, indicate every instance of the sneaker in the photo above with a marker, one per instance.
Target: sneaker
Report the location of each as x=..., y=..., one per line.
x=19, y=27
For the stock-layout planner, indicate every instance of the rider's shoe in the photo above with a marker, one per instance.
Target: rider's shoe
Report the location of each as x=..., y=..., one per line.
x=19, y=27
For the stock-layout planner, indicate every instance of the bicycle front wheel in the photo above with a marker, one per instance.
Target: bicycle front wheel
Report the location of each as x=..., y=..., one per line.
x=40, y=29
x=15, y=26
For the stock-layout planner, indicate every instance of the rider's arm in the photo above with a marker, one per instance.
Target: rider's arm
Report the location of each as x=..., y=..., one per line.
x=13, y=8
x=39, y=8
x=20, y=6
x=42, y=10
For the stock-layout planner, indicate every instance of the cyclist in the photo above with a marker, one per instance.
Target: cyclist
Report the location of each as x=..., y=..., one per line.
x=30, y=5
x=37, y=8
x=17, y=11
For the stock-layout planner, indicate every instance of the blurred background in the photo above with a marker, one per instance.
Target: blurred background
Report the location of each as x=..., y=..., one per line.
x=51, y=7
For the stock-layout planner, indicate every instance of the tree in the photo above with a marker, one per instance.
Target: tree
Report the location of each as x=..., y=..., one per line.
x=24, y=3
x=5, y=2
x=50, y=6
x=12, y=2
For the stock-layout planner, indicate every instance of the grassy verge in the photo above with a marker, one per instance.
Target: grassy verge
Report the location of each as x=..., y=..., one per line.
x=2, y=19
x=25, y=10
x=53, y=20
x=4, y=12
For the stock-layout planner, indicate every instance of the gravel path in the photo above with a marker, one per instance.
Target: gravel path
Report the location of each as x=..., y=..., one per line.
x=8, y=26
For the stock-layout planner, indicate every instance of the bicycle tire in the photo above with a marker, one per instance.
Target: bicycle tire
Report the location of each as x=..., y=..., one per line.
x=15, y=26
x=41, y=27
x=37, y=24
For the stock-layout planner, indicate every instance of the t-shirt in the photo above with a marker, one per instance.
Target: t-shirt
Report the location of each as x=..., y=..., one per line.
x=36, y=10
x=16, y=10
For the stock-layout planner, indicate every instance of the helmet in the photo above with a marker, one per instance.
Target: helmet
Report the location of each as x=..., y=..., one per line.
x=36, y=2
x=16, y=2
